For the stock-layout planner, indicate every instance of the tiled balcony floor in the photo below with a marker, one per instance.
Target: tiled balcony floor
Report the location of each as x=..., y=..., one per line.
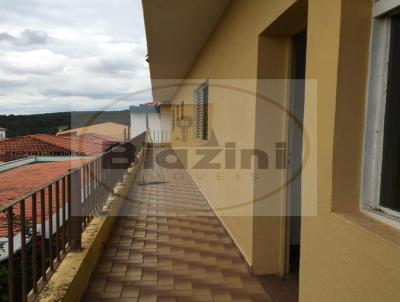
x=167, y=245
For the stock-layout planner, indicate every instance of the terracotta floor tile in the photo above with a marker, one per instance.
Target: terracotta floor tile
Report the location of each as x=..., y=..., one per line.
x=166, y=299
x=104, y=266
x=119, y=267
x=133, y=270
x=114, y=287
x=97, y=286
x=109, y=295
x=148, y=297
x=221, y=295
x=183, y=284
x=165, y=280
x=149, y=275
x=130, y=292
x=168, y=246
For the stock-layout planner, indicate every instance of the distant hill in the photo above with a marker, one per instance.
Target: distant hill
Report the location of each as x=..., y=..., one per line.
x=48, y=123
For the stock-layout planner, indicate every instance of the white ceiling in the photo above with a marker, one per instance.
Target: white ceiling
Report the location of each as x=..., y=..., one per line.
x=176, y=31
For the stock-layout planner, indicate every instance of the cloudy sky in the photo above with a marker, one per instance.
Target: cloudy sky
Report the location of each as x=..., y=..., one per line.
x=71, y=55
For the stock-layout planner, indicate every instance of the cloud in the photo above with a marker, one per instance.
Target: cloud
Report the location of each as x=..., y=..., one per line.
x=34, y=37
x=27, y=37
x=6, y=37
x=40, y=61
x=11, y=84
x=71, y=55
x=118, y=59
x=110, y=65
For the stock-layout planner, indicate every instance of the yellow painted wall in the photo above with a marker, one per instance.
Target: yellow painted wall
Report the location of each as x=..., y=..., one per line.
x=345, y=256
x=232, y=53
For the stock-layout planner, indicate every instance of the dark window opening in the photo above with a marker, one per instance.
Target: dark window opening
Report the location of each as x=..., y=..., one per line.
x=201, y=112
x=390, y=181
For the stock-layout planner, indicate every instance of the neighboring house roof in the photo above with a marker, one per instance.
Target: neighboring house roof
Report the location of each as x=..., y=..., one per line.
x=51, y=145
x=151, y=104
x=34, y=176
x=86, y=144
x=99, y=136
x=144, y=109
x=112, y=130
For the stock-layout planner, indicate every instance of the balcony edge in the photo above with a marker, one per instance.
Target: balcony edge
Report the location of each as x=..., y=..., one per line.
x=71, y=278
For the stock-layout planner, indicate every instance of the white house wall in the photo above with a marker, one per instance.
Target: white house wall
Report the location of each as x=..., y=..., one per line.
x=138, y=124
x=159, y=126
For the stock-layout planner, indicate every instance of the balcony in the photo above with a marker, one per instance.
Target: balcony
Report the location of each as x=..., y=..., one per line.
x=166, y=243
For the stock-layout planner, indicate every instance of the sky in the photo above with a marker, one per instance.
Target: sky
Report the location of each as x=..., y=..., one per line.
x=72, y=55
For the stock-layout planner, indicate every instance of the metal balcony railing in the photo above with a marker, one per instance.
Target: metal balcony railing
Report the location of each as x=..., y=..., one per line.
x=159, y=136
x=43, y=226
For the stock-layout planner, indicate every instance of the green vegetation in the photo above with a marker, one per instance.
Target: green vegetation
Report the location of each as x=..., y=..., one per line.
x=48, y=123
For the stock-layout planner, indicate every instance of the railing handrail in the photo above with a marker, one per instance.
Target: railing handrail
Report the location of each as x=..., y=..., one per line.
x=15, y=201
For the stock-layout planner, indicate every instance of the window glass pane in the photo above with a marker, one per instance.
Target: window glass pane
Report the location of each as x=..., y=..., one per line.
x=390, y=182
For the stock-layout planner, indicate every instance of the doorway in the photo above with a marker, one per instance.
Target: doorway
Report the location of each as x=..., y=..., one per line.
x=295, y=151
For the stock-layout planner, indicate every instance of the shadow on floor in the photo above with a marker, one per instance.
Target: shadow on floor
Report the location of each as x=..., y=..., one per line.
x=281, y=290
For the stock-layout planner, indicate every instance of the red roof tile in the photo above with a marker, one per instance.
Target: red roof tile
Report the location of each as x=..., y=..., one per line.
x=30, y=178
x=51, y=145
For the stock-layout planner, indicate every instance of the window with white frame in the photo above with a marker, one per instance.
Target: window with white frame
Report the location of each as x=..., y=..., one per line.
x=381, y=164
x=200, y=98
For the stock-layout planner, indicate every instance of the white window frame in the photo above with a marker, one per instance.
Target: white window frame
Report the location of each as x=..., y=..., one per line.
x=382, y=7
x=375, y=114
x=200, y=99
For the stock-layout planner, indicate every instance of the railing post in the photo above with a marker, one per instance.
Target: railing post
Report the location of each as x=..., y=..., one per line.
x=11, y=265
x=76, y=210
